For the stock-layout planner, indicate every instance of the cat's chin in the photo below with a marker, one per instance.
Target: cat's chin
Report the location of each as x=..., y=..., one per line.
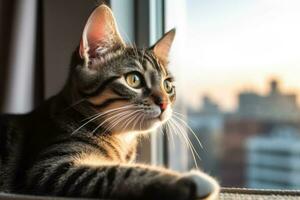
x=151, y=124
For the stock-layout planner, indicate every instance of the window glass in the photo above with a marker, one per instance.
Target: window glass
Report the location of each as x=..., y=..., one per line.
x=237, y=68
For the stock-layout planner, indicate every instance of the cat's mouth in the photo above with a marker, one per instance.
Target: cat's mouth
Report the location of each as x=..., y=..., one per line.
x=152, y=113
x=157, y=114
x=154, y=119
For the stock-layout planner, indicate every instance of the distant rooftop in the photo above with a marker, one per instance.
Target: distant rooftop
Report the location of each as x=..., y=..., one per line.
x=273, y=106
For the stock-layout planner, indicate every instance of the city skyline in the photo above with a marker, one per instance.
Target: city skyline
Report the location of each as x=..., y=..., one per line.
x=262, y=91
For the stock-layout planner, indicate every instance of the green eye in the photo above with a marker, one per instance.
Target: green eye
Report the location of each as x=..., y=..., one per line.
x=168, y=86
x=134, y=80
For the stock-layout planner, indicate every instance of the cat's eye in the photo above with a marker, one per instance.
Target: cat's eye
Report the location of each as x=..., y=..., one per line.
x=134, y=80
x=168, y=86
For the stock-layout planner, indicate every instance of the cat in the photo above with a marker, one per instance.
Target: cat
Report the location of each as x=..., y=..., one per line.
x=82, y=141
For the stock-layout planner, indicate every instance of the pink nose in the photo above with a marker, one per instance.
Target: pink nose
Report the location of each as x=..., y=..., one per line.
x=163, y=106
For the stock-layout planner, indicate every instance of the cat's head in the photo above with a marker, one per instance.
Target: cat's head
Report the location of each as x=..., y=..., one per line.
x=131, y=89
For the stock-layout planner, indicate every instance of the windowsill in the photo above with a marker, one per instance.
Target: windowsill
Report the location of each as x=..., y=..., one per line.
x=226, y=194
x=253, y=194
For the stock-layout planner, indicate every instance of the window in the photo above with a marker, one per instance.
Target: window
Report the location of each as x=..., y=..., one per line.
x=237, y=66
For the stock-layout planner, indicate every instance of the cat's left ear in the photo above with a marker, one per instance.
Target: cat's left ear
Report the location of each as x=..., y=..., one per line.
x=162, y=48
x=100, y=34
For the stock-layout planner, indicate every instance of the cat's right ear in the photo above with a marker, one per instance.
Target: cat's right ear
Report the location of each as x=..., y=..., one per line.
x=100, y=34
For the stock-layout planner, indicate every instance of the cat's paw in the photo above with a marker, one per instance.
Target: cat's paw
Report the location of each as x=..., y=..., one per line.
x=206, y=187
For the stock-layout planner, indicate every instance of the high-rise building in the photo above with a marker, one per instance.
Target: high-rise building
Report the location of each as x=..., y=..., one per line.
x=207, y=124
x=273, y=160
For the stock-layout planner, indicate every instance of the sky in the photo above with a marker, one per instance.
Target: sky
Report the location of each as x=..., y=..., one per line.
x=233, y=45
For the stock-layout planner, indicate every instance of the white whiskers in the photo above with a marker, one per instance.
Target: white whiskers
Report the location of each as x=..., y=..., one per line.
x=181, y=128
x=98, y=115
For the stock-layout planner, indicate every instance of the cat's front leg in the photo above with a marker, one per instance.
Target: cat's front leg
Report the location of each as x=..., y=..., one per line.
x=116, y=181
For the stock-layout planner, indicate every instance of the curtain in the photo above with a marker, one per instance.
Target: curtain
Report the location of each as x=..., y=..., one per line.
x=20, y=91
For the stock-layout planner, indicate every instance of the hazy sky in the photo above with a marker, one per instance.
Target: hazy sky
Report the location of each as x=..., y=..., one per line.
x=238, y=44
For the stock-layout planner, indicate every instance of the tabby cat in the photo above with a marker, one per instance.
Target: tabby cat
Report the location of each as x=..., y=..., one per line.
x=82, y=142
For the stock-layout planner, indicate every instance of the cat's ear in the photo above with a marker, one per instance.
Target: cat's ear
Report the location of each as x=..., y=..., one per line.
x=162, y=48
x=100, y=34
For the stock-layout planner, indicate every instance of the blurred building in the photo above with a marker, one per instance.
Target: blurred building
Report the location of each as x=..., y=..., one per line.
x=274, y=106
x=274, y=160
x=256, y=115
x=208, y=125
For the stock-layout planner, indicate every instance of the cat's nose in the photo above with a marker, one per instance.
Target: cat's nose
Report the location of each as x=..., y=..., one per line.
x=163, y=106
x=161, y=103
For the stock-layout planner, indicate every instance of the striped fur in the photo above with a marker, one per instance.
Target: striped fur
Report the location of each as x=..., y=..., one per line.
x=82, y=142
